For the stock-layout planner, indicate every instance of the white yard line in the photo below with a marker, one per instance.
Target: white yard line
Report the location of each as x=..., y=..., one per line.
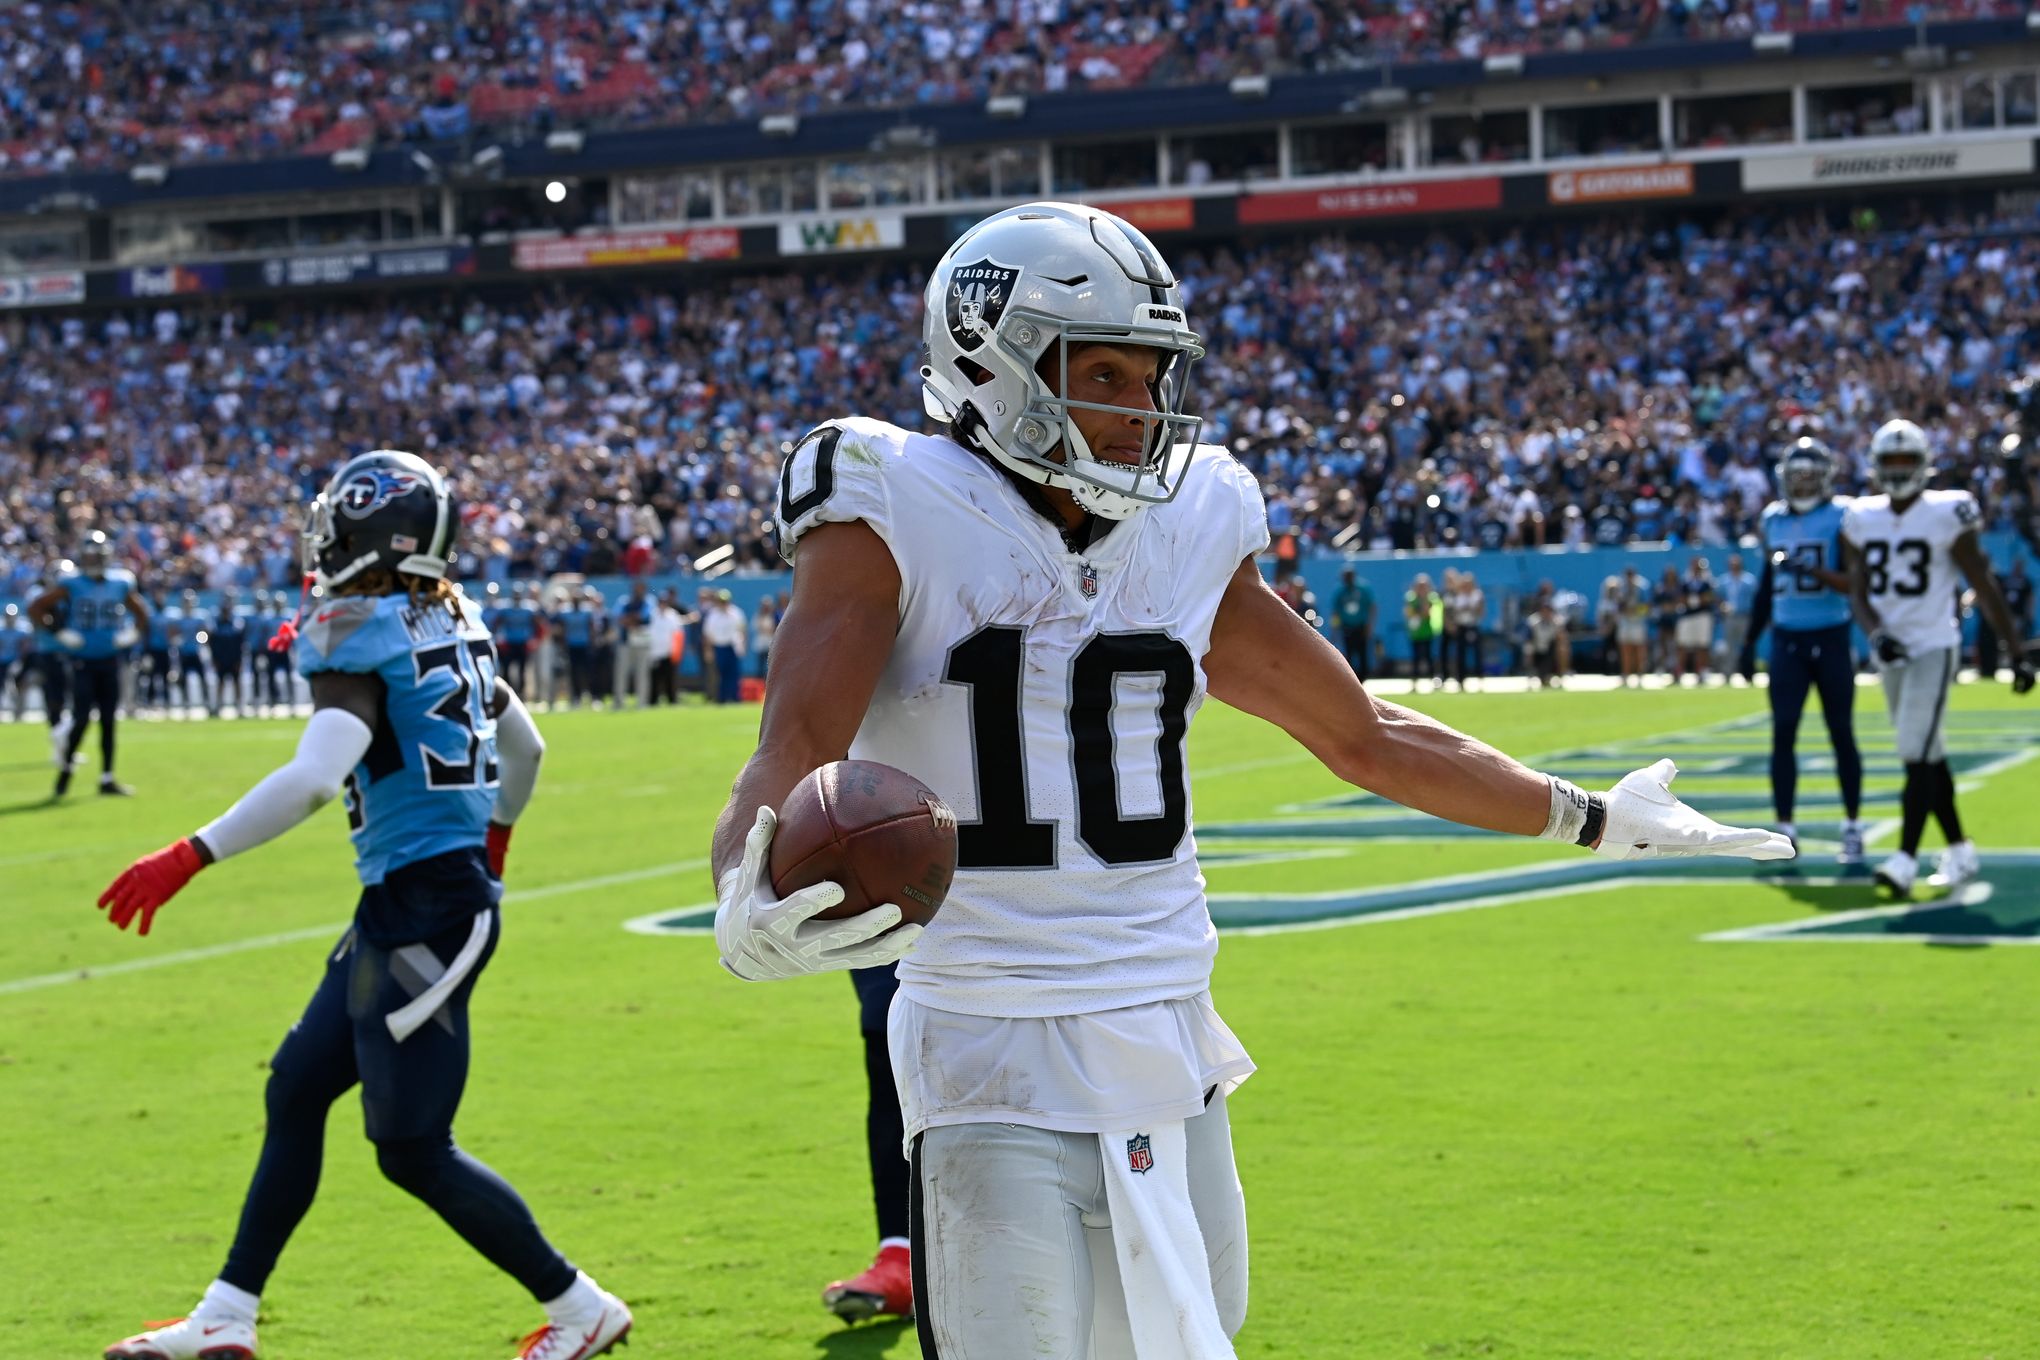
x=213, y=951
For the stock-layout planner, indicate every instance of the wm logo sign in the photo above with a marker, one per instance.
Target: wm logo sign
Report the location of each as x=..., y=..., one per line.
x=822, y=235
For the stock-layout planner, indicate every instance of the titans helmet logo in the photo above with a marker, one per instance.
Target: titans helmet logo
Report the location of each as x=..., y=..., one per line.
x=370, y=489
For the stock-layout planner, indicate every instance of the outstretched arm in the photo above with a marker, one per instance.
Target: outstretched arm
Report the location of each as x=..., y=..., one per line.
x=1266, y=661
x=336, y=738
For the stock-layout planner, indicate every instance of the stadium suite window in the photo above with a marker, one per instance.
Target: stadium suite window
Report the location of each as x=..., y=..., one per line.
x=1479, y=138
x=1991, y=99
x=340, y=228
x=1225, y=157
x=685, y=197
x=990, y=172
x=1602, y=129
x=1107, y=165
x=43, y=248
x=1732, y=119
x=874, y=184
x=1885, y=109
x=1340, y=148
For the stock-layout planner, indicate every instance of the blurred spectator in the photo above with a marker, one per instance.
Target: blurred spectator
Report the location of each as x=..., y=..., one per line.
x=722, y=629
x=1424, y=619
x=1737, y=589
x=1694, y=632
x=1353, y=616
x=1465, y=616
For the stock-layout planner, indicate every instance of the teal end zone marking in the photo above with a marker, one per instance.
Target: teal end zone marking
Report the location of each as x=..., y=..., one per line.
x=2001, y=907
x=1576, y=873
x=695, y=920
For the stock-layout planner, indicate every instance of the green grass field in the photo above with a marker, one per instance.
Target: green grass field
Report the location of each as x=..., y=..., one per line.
x=1566, y=1124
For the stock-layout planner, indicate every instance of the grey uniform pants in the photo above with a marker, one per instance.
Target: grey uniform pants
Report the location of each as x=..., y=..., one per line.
x=1916, y=697
x=1014, y=1252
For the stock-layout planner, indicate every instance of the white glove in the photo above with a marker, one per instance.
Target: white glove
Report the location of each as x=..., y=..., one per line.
x=71, y=639
x=126, y=637
x=1646, y=822
x=761, y=936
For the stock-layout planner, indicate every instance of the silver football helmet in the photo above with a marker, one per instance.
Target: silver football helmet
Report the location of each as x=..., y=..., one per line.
x=1900, y=461
x=1806, y=474
x=1058, y=275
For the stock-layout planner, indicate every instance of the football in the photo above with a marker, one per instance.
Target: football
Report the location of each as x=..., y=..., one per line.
x=879, y=832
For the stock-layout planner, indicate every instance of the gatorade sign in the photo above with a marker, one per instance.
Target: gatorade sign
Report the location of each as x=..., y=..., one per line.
x=829, y=235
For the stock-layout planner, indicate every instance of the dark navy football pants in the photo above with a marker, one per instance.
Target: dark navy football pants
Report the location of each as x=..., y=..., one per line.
x=95, y=688
x=884, y=1130
x=409, y=1093
x=1801, y=660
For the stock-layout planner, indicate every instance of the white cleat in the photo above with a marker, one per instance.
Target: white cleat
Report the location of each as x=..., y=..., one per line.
x=1958, y=864
x=1898, y=873
x=60, y=733
x=189, y=1338
x=1852, y=844
x=582, y=1340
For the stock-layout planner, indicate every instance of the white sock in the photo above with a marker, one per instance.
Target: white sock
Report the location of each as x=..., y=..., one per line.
x=582, y=1300
x=226, y=1300
x=885, y=1242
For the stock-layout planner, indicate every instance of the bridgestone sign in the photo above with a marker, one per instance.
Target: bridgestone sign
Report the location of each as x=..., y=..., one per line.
x=1974, y=160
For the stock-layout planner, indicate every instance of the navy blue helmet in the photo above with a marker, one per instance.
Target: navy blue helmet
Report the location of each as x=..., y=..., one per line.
x=385, y=509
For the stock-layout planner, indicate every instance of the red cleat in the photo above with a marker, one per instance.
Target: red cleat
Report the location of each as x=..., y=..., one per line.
x=886, y=1289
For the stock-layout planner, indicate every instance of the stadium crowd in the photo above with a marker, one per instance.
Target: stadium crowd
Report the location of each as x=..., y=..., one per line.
x=95, y=86
x=1563, y=385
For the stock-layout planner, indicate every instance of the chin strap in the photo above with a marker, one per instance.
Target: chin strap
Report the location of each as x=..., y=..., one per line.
x=287, y=631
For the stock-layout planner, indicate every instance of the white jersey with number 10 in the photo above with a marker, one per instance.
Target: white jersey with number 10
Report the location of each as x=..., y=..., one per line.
x=1044, y=693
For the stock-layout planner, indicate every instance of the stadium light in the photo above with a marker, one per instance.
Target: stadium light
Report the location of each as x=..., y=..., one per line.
x=1772, y=44
x=1249, y=87
x=779, y=124
x=2033, y=22
x=1006, y=106
x=149, y=173
x=1926, y=57
x=350, y=158
x=1503, y=64
x=565, y=142
x=1388, y=97
x=488, y=158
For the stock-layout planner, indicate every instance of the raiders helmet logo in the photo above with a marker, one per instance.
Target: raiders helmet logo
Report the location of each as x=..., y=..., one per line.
x=978, y=294
x=370, y=489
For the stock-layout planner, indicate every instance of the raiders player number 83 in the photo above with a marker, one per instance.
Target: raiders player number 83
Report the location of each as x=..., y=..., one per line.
x=1025, y=610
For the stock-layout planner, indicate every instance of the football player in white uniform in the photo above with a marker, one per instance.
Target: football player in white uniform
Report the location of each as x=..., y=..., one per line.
x=1025, y=611
x=1904, y=549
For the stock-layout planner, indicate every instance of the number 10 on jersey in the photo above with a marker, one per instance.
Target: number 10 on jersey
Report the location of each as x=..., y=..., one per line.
x=990, y=663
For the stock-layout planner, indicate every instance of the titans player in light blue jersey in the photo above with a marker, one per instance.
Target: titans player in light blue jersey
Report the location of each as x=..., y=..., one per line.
x=97, y=616
x=436, y=757
x=1804, y=597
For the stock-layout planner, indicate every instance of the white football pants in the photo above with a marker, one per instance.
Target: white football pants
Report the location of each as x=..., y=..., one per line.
x=1916, y=697
x=1079, y=1246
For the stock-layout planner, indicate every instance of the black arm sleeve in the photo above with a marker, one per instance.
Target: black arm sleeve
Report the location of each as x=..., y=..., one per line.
x=1760, y=609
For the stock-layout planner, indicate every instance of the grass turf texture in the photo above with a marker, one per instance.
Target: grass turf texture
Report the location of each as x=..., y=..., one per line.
x=1562, y=1128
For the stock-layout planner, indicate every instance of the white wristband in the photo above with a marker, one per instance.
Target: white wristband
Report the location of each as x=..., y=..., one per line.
x=1568, y=817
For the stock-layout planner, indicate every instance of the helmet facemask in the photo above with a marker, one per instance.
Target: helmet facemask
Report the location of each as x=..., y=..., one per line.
x=1048, y=437
x=1806, y=477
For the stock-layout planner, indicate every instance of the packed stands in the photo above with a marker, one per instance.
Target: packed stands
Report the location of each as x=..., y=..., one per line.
x=1600, y=382
x=99, y=86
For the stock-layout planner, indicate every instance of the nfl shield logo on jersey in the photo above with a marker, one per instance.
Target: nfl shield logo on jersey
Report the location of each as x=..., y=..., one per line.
x=1087, y=580
x=1139, y=1156
x=978, y=294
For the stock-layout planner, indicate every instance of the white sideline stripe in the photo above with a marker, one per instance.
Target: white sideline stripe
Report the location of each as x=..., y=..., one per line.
x=213, y=951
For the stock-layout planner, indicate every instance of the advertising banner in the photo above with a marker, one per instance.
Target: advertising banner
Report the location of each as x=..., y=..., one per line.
x=1373, y=200
x=627, y=248
x=1620, y=185
x=42, y=290
x=1888, y=166
x=1156, y=214
x=826, y=235
x=172, y=280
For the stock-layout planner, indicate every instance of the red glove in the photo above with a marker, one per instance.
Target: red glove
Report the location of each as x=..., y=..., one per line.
x=499, y=848
x=149, y=882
